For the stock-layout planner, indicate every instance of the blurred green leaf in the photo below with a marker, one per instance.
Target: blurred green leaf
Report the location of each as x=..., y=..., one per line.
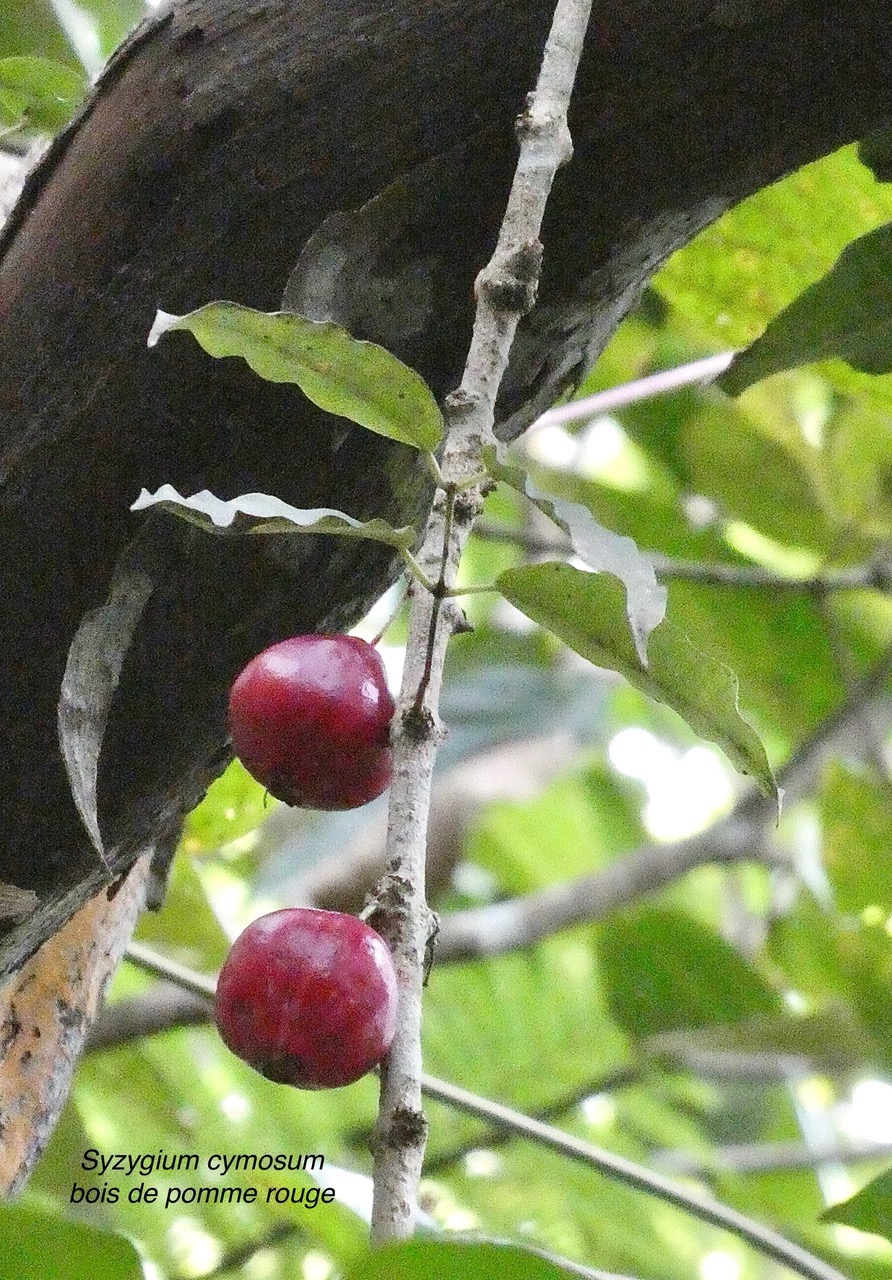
x=666, y=972
x=233, y=805
x=842, y=966
x=38, y=92
x=449, y=1260
x=113, y=20
x=719, y=446
x=869, y=1210
x=356, y=380
x=740, y=272
x=185, y=928
x=31, y=27
x=856, y=813
x=45, y=1247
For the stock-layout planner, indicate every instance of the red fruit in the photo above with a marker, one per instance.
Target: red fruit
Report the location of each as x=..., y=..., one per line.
x=308, y=998
x=310, y=720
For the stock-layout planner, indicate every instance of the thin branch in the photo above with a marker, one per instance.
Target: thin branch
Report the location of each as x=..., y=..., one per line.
x=768, y=1157
x=519, y=922
x=656, y=384
x=870, y=576
x=505, y=290
x=495, y=1136
x=507, y=1119
x=796, y=773
x=761, y=1238
x=164, y=1007
x=197, y=984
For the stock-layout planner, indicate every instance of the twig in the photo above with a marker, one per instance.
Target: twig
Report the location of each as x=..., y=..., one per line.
x=519, y=922
x=494, y=1136
x=655, y=384
x=197, y=984
x=505, y=290
x=768, y=1157
x=766, y=1241
x=873, y=575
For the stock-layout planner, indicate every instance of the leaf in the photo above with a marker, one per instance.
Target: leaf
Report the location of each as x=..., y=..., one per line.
x=111, y=21
x=372, y=270
x=856, y=819
x=847, y=314
x=452, y=1260
x=92, y=672
x=54, y=1249
x=602, y=549
x=39, y=92
x=29, y=27
x=666, y=972
x=869, y=1210
x=356, y=380
x=726, y=285
x=585, y=610
x=267, y=514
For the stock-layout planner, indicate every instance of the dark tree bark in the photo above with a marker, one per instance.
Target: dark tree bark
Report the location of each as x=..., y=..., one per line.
x=219, y=140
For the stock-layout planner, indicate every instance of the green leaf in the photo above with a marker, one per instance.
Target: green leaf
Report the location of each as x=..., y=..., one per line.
x=587, y=612
x=833, y=1042
x=113, y=19
x=52, y=1248
x=356, y=380
x=847, y=314
x=856, y=817
x=39, y=92
x=719, y=446
x=31, y=27
x=665, y=971
x=233, y=805
x=450, y=1260
x=262, y=513
x=732, y=278
x=869, y=1210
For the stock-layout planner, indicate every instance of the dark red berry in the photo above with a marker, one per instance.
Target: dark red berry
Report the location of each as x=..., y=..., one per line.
x=308, y=998
x=310, y=719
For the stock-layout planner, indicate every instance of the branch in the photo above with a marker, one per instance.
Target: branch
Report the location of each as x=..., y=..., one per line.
x=520, y=922
x=516, y=770
x=875, y=574
x=505, y=290
x=204, y=112
x=763, y=1239
x=655, y=384
x=769, y=1157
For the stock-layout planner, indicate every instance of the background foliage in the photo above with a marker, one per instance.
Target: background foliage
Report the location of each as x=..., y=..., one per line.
x=733, y=1025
